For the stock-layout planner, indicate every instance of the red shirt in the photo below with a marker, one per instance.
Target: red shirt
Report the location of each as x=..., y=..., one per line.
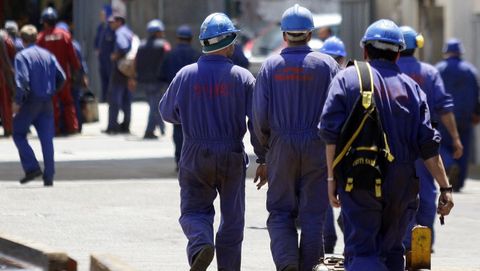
x=59, y=43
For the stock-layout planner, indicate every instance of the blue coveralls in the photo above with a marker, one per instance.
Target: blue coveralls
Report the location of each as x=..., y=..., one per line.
x=148, y=66
x=460, y=79
x=77, y=83
x=439, y=102
x=180, y=56
x=211, y=99
x=289, y=96
x=119, y=96
x=105, y=44
x=375, y=227
x=38, y=76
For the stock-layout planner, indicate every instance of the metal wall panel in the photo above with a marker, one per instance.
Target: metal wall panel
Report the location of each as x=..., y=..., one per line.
x=356, y=16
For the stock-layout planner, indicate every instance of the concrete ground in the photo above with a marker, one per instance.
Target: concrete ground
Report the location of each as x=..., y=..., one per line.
x=119, y=195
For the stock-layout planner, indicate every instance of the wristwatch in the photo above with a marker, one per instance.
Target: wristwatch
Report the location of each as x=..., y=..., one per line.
x=446, y=189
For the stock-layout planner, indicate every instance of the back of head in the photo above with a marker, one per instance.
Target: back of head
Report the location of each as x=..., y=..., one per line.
x=453, y=46
x=28, y=33
x=184, y=32
x=11, y=27
x=49, y=16
x=383, y=40
x=217, y=32
x=297, y=23
x=155, y=26
x=334, y=47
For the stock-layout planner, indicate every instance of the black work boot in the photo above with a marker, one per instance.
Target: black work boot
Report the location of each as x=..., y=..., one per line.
x=29, y=176
x=203, y=258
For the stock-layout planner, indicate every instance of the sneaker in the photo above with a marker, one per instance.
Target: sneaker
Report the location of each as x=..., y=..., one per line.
x=203, y=258
x=31, y=176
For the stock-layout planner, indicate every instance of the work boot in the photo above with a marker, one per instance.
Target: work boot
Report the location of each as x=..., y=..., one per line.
x=290, y=267
x=203, y=258
x=150, y=135
x=31, y=176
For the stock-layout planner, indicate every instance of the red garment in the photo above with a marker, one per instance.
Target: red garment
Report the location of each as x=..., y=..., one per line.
x=6, y=91
x=59, y=43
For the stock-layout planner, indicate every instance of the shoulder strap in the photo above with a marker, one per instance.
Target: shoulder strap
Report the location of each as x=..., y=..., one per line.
x=365, y=79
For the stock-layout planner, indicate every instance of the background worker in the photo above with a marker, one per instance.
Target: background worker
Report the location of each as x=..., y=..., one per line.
x=335, y=48
x=460, y=79
x=104, y=45
x=289, y=94
x=181, y=55
x=440, y=105
x=38, y=76
x=212, y=99
x=7, y=86
x=148, y=66
x=119, y=94
x=12, y=29
x=374, y=227
x=59, y=43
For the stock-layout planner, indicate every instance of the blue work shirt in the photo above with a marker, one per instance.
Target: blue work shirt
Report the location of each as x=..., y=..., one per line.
x=149, y=59
x=211, y=100
x=460, y=79
x=18, y=43
x=429, y=80
x=401, y=104
x=290, y=91
x=180, y=56
x=123, y=43
x=83, y=65
x=38, y=75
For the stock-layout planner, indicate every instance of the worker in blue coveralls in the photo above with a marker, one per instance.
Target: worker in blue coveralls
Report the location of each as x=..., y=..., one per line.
x=182, y=55
x=104, y=45
x=440, y=104
x=375, y=227
x=148, y=66
x=38, y=75
x=119, y=94
x=289, y=95
x=335, y=48
x=211, y=99
x=460, y=79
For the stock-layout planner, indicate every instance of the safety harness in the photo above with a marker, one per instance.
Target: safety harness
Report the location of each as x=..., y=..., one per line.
x=362, y=152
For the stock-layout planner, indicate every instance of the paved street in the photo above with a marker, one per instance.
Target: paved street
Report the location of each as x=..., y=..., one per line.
x=119, y=195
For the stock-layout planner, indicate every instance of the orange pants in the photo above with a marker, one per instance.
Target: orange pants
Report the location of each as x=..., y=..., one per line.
x=64, y=100
x=5, y=107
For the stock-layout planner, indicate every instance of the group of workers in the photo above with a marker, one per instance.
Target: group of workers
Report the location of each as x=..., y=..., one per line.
x=294, y=110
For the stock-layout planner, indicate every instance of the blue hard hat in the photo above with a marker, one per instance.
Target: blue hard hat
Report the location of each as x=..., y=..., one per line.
x=107, y=9
x=217, y=32
x=333, y=46
x=155, y=26
x=297, y=18
x=453, y=45
x=384, y=34
x=63, y=25
x=184, y=31
x=412, y=38
x=49, y=15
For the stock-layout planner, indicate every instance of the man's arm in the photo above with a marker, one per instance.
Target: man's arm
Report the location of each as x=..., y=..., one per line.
x=60, y=76
x=332, y=183
x=168, y=106
x=435, y=167
x=448, y=120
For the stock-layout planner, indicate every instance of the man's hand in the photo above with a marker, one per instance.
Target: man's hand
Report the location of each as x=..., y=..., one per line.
x=445, y=203
x=15, y=108
x=261, y=176
x=332, y=193
x=475, y=119
x=457, y=148
x=132, y=84
x=114, y=56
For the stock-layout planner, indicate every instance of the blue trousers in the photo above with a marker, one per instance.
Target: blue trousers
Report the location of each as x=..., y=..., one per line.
x=77, y=95
x=465, y=131
x=40, y=114
x=205, y=170
x=105, y=67
x=329, y=233
x=119, y=98
x=374, y=227
x=154, y=93
x=427, y=208
x=296, y=187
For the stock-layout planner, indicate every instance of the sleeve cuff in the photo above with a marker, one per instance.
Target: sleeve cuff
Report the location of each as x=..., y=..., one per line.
x=429, y=150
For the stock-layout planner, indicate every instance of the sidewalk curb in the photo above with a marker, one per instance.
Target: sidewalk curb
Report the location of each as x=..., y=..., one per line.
x=107, y=262
x=36, y=254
